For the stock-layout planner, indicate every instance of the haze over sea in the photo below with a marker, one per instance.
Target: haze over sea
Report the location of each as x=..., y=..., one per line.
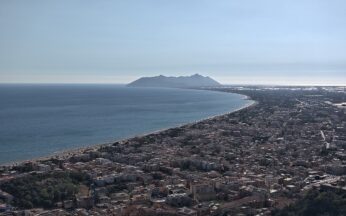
x=39, y=120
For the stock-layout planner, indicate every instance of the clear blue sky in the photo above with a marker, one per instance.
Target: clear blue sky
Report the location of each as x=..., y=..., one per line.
x=234, y=41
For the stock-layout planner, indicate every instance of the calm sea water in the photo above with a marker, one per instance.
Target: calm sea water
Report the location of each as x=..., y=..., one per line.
x=38, y=120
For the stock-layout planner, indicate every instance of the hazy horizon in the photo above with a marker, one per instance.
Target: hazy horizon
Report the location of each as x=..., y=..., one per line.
x=234, y=42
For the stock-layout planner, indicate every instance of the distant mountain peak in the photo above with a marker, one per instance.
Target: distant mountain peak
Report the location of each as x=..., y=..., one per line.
x=195, y=80
x=197, y=75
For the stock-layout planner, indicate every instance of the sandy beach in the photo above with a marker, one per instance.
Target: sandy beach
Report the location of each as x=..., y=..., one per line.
x=75, y=151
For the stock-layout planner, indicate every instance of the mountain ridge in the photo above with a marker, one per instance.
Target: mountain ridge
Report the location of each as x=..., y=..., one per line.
x=195, y=80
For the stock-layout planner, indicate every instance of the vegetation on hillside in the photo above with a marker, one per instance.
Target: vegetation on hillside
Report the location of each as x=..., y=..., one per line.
x=44, y=190
x=317, y=203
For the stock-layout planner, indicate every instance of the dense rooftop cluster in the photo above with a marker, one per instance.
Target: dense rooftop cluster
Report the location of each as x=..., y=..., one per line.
x=255, y=161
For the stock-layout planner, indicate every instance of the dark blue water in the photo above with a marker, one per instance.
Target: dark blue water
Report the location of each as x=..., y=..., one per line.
x=38, y=120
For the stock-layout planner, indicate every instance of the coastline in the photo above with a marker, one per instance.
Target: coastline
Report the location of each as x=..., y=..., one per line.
x=74, y=151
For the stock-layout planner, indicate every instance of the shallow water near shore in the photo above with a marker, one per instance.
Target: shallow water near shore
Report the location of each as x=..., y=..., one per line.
x=38, y=120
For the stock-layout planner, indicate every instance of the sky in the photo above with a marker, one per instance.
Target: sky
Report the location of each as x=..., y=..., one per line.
x=293, y=42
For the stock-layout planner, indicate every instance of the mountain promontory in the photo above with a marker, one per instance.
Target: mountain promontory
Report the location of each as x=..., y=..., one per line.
x=195, y=80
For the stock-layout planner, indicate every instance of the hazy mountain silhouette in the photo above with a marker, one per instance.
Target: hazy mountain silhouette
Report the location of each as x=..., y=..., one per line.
x=174, y=82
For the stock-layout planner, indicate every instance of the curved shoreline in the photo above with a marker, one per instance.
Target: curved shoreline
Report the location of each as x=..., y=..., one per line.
x=73, y=151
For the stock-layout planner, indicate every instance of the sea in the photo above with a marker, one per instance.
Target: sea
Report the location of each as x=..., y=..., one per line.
x=38, y=120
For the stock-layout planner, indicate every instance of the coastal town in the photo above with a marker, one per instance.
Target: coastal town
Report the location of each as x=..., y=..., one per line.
x=255, y=161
